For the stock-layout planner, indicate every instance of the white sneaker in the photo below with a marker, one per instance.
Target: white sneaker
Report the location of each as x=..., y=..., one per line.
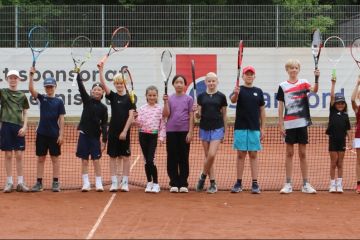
x=174, y=189
x=124, y=187
x=287, y=188
x=86, y=187
x=332, y=188
x=155, y=188
x=114, y=187
x=99, y=188
x=184, y=190
x=149, y=186
x=339, y=188
x=307, y=188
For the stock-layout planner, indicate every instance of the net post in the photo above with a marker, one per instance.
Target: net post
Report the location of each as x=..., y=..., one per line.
x=16, y=26
x=102, y=25
x=190, y=26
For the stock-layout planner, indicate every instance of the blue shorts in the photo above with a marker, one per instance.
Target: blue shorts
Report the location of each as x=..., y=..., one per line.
x=88, y=146
x=10, y=141
x=211, y=135
x=247, y=140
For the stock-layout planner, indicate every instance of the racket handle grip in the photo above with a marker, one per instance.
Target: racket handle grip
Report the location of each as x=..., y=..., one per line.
x=165, y=89
x=333, y=73
x=103, y=60
x=33, y=64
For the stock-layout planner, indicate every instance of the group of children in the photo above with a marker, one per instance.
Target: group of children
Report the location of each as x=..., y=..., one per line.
x=175, y=123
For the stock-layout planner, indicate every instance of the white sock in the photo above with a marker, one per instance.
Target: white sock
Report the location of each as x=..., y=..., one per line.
x=114, y=179
x=98, y=180
x=20, y=179
x=125, y=179
x=85, y=178
x=332, y=181
x=339, y=181
x=9, y=180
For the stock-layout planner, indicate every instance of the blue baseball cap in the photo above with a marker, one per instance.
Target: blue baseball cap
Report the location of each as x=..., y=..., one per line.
x=50, y=82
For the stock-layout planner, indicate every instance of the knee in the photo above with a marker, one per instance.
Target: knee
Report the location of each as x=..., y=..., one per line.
x=41, y=159
x=289, y=154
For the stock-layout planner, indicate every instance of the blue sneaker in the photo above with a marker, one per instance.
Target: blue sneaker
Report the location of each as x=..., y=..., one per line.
x=236, y=188
x=255, y=188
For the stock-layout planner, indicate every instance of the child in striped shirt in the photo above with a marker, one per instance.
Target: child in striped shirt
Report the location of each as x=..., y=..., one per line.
x=151, y=125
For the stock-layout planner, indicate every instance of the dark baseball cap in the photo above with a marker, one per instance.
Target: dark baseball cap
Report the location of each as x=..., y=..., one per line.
x=339, y=98
x=49, y=82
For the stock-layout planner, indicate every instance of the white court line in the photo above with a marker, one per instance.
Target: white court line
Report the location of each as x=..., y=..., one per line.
x=97, y=224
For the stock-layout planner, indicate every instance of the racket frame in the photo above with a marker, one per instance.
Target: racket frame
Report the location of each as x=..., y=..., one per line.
x=239, y=61
x=352, y=52
x=316, y=50
x=33, y=51
x=335, y=62
x=166, y=78
x=194, y=79
x=125, y=70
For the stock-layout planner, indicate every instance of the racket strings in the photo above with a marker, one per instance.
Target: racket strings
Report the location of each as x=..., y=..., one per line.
x=81, y=50
x=334, y=49
x=39, y=39
x=120, y=39
x=316, y=43
x=166, y=64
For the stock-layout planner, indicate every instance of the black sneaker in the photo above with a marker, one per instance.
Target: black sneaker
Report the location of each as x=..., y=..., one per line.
x=255, y=188
x=200, y=185
x=236, y=188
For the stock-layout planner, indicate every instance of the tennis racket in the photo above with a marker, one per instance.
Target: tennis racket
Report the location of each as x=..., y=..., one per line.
x=38, y=39
x=166, y=67
x=316, y=49
x=120, y=40
x=81, y=49
x=129, y=84
x=334, y=49
x=239, y=62
x=194, y=79
x=355, y=50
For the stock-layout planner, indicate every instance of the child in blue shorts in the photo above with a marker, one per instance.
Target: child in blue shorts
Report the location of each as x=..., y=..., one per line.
x=50, y=131
x=249, y=127
x=13, y=116
x=211, y=110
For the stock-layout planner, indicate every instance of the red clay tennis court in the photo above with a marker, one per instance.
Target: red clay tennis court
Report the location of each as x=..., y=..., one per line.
x=72, y=214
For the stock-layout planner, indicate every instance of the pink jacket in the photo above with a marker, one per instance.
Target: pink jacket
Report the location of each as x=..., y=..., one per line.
x=150, y=120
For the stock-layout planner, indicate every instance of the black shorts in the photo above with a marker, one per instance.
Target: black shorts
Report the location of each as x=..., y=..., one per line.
x=10, y=141
x=297, y=135
x=88, y=146
x=117, y=147
x=45, y=144
x=337, y=145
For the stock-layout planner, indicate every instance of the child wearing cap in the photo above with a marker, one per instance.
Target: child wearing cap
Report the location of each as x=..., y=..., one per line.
x=93, y=122
x=293, y=125
x=211, y=110
x=356, y=144
x=122, y=116
x=249, y=127
x=338, y=129
x=50, y=131
x=13, y=116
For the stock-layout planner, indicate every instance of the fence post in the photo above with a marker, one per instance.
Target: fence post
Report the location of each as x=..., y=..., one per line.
x=277, y=26
x=102, y=25
x=189, y=26
x=16, y=26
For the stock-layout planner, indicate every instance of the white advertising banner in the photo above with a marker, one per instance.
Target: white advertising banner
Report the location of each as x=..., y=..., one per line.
x=144, y=64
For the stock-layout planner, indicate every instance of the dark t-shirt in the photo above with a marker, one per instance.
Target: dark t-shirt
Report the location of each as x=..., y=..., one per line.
x=248, y=108
x=120, y=106
x=94, y=117
x=211, y=105
x=50, y=110
x=339, y=123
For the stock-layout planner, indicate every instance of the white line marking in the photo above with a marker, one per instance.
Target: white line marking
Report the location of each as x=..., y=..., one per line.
x=97, y=224
x=134, y=163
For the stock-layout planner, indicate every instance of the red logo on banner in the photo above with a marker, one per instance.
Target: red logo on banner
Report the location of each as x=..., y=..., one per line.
x=204, y=63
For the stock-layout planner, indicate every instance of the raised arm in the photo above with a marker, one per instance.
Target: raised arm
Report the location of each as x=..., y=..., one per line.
x=332, y=91
x=32, y=90
x=355, y=107
x=166, y=109
x=83, y=93
x=102, y=79
x=315, y=88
